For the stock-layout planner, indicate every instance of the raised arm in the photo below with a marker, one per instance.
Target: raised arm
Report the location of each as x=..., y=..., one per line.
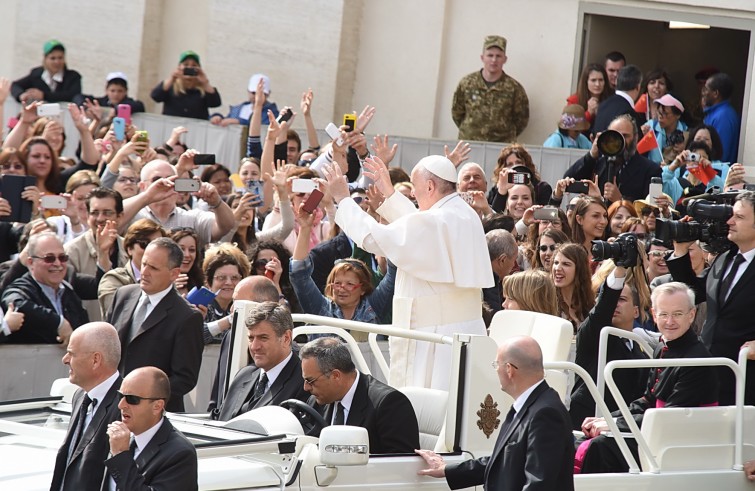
x=306, y=109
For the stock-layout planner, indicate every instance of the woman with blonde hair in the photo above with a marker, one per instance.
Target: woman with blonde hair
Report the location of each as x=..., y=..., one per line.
x=531, y=290
x=187, y=92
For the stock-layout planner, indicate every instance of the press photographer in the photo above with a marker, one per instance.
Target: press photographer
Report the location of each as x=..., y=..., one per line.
x=728, y=284
x=621, y=172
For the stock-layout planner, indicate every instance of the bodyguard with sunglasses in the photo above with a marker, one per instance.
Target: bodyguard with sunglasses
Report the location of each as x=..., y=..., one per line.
x=51, y=307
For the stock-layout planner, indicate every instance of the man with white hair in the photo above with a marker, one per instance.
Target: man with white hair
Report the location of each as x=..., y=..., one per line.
x=157, y=201
x=473, y=186
x=442, y=261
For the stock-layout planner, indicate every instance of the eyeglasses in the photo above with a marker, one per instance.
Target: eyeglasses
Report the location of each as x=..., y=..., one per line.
x=664, y=316
x=222, y=278
x=659, y=253
x=546, y=248
x=358, y=199
x=311, y=381
x=142, y=243
x=133, y=400
x=104, y=213
x=13, y=165
x=495, y=364
x=349, y=287
x=260, y=263
x=50, y=258
x=305, y=162
x=647, y=210
x=130, y=180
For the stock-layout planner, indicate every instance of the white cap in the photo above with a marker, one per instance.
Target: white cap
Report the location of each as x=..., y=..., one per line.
x=256, y=79
x=439, y=166
x=114, y=75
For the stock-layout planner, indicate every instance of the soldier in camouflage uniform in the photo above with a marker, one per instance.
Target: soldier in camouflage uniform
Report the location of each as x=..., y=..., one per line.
x=488, y=104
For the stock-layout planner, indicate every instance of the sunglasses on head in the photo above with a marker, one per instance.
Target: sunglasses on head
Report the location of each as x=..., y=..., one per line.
x=50, y=258
x=545, y=248
x=133, y=400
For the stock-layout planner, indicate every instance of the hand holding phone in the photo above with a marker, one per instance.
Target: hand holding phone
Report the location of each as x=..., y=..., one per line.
x=350, y=121
x=312, y=202
x=119, y=128
x=186, y=185
x=518, y=178
x=255, y=187
x=190, y=71
x=334, y=133
x=577, y=187
x=285, y=114
x=124, y=111
x=204, y=159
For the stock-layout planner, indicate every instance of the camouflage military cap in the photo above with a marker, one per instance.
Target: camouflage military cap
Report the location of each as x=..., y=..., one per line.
x=494, y=42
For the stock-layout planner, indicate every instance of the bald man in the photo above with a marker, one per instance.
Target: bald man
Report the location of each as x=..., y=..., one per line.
x=161, y=457
x=536, y=435
x=441, y=256
x=92, y=357
x=157, y=201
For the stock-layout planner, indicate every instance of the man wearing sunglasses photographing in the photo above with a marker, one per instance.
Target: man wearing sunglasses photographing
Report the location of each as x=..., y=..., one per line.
x=51, y=306
x=147, y=452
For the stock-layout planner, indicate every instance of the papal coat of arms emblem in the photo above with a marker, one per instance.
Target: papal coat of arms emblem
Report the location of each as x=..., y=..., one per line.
x=488, y=414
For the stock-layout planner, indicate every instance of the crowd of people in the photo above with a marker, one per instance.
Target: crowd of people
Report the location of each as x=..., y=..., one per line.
x=158, y=241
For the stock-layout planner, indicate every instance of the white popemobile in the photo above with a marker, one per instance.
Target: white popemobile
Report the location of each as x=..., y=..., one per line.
x=267, y=448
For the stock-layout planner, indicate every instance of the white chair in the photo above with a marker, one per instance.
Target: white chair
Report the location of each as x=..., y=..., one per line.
x=695, y=439
x=430, y=407
x=63, y=387
x=553, y=334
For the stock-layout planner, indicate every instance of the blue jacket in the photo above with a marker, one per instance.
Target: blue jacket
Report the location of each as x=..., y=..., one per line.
x=725, y=120
x=557, y=140
x=660, y=135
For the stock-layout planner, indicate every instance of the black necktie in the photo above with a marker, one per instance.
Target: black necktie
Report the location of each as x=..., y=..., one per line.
x=132, y=447
x=339, y=419
x=259, y=391
x=509, y=418
x=80, y=423
x=729, y=280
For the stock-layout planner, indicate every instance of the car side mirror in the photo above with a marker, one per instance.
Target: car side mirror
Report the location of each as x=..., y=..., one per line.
x=344, y=445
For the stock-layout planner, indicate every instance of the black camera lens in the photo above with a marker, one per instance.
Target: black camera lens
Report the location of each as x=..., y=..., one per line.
x=611, y=143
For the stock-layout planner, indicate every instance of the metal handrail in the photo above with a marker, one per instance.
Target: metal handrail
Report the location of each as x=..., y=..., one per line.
x=603, y=354
x=676, y=362
x=386, y=329
x=378, y=354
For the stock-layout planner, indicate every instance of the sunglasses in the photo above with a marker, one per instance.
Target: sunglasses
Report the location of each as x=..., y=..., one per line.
x=659, y=253
x=647, y=210
x=260, y=263
x=130, y=180
x=50, y=258
x=142, y=243
x=546, y=248
x=358, y=199
x=133, y=400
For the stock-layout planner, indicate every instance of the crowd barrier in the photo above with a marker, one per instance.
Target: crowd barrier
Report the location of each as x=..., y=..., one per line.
x=229, y=143
x=29, y=370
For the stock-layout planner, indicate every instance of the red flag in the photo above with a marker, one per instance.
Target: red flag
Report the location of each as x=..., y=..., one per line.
x=647, y=143
x=641, y=106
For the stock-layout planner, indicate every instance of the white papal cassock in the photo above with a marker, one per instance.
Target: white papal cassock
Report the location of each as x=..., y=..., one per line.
x=443, y=263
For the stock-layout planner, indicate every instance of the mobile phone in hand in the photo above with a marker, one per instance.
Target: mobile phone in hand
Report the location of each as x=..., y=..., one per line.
x=350, y=121
x=191, y=71
x=124, y=111
x=313, y=200
x=578, y=187
x=204, y=159
x=284, y=115
x=518, y=178
x=186, y=185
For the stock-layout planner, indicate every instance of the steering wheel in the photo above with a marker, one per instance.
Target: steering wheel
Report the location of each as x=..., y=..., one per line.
x=311, y=421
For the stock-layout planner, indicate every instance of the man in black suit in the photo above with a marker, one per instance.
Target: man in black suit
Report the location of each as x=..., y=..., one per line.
x=92, y=357
x=728, y=323
x=629, y=177
x=618, y=306
x=157, y=327
x=256, y=288
x=276, y=374
x=343, y=395
x=628, y=86
x=535, y=446
x=160, y=457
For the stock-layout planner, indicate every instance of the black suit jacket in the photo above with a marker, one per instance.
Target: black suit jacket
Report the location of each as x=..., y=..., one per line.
x=169, y=461
x=609, y=109
x=288, y=385
x=631, y=382
x=170, y=339
x=385, y=412
x=85, y=469
x=726, y=326
x=633, y=179
x=535, y=451
x=65, y=91
x=324, y=254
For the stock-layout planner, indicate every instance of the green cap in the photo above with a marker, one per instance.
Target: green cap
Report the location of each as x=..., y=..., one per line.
x=51, y=45
x=188, y=54
x=494, y=42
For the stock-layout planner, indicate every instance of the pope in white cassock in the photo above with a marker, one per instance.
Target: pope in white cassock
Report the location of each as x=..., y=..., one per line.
x=441, y=256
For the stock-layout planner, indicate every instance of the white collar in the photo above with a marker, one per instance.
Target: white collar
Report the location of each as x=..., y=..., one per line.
x=443, y=200
x=155, y=298
x=100, y=391
x=519, y=403
x=143, y=439
x=276, y=370
x=749, y=255
x=626, y=96
x=48, y=77
x=349, y=397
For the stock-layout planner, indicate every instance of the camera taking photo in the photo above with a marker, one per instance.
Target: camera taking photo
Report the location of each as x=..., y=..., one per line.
x=708, y=224
x=623, y=250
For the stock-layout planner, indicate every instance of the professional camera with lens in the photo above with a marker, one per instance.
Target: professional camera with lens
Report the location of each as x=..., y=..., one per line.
x=623, y=250
x=611, y=143
x=708, y=225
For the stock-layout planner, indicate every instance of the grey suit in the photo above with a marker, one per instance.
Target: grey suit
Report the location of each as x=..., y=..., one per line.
x=535, y=451
x=289, y=384
x=85, y=469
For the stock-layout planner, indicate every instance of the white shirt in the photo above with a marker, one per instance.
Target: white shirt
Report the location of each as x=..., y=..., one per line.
x=519, y=402
x=347, y=400
x=749, y=255
x=98, y=394
x=626, y=96
x=136, y=270
x=276, y=370
x=154, y=299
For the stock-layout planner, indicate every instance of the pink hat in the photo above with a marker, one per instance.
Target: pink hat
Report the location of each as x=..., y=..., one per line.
x=668, y=100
